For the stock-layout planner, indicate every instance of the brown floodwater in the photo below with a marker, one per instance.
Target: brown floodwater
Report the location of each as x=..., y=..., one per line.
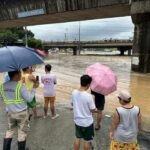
x=68, y=70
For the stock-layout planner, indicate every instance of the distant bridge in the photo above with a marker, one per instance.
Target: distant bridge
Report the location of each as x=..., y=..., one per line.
x=121, y=45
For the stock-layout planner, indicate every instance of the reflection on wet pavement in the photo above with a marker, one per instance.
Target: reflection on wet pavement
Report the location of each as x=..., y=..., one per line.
x=68, y=70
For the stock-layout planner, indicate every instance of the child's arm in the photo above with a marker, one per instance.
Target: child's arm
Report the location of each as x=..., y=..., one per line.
x=139, y=121
x=23, y=80
x=42, y=81
x=94, y=110
x=32, y=78
x=114, y=125
x=92, y=106
x=55, y=81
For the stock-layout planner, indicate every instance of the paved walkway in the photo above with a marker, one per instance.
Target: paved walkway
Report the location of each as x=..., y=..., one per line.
x=47, y=134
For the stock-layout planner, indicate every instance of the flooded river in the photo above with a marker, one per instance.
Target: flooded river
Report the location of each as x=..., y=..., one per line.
x=68, y=70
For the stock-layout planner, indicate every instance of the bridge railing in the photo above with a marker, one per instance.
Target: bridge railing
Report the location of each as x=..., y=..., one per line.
x=90, y=42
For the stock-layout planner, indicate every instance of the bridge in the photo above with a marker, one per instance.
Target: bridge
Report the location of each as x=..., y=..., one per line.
x=14, y=13
x=121, y=45
x=32, y=12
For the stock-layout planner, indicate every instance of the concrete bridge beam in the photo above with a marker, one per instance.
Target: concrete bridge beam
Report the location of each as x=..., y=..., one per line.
x=32, y=12
x=140, y=12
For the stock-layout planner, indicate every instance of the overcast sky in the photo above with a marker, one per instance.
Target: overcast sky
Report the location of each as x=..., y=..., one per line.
x=118, y=28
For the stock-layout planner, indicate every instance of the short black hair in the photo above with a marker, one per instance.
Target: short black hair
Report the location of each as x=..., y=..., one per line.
x=85, y=80
x=11, y=74
x=25, y=69
x=48, y=67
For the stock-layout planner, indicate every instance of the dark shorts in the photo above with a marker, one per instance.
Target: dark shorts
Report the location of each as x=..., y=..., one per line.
x=86, y=133
x=32, y=104
x=99, y=100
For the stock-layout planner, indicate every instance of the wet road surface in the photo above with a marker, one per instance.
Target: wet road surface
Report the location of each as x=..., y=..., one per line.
x=68, y=70
x=47, y=134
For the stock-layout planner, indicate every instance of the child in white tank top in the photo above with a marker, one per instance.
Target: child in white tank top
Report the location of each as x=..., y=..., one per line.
x=126, y=124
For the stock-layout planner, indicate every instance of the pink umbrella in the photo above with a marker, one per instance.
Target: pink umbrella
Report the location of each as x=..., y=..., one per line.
x=104, y=81
x=40, y=52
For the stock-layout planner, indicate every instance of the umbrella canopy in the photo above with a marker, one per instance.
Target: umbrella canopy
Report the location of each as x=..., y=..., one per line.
x=104, y=81
x=41, y=53
x=15, y=57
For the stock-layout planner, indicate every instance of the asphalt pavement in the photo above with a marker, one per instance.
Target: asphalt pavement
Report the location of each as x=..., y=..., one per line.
x=58, y=134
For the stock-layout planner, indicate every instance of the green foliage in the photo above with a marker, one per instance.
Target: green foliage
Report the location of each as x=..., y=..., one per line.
x=35, y=43
x=13, y=35
x=7, y=37
x=21, y=32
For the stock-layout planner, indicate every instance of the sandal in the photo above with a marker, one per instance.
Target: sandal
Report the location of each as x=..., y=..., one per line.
x=97, y=128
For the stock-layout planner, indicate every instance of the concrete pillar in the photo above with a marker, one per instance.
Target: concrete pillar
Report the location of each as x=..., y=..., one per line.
x=129, y=52
x=140, y=12
x=78, y=51
x=122, y=50
x=74, y=50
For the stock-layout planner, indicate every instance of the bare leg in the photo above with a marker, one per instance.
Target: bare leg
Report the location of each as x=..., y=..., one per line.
x=86, y=145
x=46, y=107
x=29, y=114
x=77, y=144
x=34, y=112
x=52, y=107
x=99, y=118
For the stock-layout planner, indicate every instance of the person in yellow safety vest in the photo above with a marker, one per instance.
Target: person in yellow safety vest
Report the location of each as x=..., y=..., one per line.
x=15, y=96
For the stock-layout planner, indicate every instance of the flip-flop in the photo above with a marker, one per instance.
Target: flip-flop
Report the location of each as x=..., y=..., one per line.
x=97, y=128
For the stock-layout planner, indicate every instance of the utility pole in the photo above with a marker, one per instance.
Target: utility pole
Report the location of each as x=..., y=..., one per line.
x=65, y=37
x=79, y=39
x=26, y=37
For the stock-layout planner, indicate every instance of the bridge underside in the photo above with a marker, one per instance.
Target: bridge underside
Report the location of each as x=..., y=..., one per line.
x=68, y=16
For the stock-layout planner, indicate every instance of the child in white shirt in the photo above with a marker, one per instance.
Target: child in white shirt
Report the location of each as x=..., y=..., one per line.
x=49, y=82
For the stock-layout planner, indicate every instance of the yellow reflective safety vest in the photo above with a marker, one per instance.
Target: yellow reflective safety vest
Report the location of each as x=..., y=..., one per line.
x=18, y=99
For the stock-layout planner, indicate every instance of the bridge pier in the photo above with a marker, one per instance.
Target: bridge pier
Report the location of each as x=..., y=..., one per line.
x=140, y=13
x=74, y=51
x=123, y=49
x=129, y=52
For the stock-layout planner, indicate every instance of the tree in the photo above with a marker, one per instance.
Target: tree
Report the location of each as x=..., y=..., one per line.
x=35, y=43
x=12, y=36
x=7, y=37
x=20, y=31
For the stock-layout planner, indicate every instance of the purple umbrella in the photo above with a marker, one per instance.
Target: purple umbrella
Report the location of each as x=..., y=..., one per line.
x=104, y=81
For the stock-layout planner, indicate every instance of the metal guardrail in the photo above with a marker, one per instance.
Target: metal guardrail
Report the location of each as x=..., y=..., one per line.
x=86, y=42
